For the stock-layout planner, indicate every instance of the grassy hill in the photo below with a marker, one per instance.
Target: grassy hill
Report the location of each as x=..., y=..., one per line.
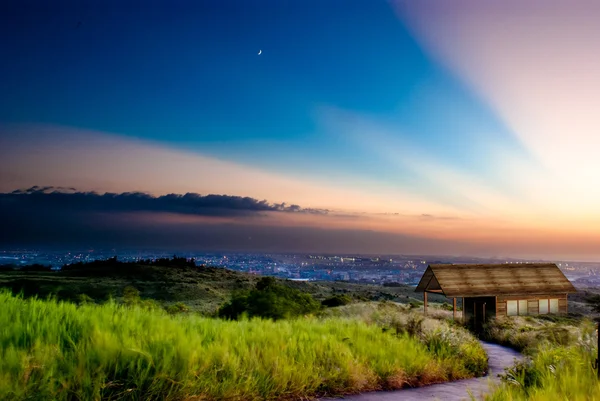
x=203, y=289
x=56, y=350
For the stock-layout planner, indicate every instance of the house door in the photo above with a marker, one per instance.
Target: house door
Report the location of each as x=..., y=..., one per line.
x=478, y=316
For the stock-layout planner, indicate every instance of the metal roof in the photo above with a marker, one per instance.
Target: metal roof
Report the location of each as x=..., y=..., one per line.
x=474, y=280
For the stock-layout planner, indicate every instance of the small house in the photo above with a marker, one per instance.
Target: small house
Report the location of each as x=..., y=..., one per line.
x=489, y=290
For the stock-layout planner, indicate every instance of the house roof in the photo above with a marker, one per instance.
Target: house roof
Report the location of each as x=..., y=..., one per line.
x=475, y=280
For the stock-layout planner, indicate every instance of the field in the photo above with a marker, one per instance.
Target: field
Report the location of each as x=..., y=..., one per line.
x=53, y=350
x=202, y=289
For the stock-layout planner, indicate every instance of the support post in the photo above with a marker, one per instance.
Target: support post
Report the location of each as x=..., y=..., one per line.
x=425, y=302
x=454, y=308
x=463, y=309
x=483, y=317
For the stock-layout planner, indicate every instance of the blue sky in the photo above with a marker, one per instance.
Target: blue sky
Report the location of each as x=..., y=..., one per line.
x=376, y=107
x=189, y=75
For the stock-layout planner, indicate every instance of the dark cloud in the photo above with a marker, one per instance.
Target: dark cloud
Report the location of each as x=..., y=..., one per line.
x=83, y=231
x=58, y=198
x=63, y=217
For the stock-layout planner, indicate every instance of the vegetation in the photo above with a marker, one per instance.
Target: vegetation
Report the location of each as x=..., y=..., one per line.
x=114, y=330
x=269, y=300
x=53, y=350
x=594, y=302
x=449, y=341
x=562, y=351
x=527, y=333
x=168, y=282
x=336, y=300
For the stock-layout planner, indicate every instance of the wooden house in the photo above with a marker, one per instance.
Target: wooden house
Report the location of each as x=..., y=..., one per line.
x=490, y=290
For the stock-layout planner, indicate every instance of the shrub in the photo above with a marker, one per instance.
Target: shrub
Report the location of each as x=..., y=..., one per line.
x=131, y=296
x=415, y=304
x=336, y=300
x=179, y=307
x=85, y=299
x=269, y=300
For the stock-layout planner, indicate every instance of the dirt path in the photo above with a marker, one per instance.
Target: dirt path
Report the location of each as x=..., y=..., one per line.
x=499, y=358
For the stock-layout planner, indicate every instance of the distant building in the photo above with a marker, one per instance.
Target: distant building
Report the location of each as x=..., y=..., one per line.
x=490, y=290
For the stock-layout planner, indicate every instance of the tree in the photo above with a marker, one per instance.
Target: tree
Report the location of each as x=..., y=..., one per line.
x=269, y=300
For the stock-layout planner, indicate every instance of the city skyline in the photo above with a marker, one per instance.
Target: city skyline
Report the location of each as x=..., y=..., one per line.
x=391, y=127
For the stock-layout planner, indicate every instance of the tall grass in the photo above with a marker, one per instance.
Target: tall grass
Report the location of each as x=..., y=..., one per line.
x=51, y=350
x=446, y=339
x=560, y=365
x=527, y=333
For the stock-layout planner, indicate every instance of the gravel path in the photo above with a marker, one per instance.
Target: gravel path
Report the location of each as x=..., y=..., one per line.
x=499, y=358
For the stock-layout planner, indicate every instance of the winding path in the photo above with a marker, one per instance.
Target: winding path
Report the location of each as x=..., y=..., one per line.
x=499, y=358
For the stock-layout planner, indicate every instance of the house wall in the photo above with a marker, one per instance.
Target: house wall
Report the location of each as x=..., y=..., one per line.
x=532, y=302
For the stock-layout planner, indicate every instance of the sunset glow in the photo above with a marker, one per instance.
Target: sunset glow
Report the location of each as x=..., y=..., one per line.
x=463, y=129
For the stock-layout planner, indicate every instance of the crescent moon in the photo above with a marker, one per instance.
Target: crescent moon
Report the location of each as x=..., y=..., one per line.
x=259, y=52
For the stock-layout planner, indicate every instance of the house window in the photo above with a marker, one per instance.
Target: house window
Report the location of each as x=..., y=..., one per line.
x=511, y=308
x=554, y=306
x=543, y=306
x=514, y=308
x=522, y=307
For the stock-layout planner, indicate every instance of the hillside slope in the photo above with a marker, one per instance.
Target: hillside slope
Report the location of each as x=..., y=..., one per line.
x=203, y=289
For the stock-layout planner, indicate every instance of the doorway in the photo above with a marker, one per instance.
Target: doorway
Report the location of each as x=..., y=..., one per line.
x=479, y=317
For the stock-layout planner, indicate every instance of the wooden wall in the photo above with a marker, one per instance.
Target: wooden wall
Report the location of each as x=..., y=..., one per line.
x=532, y=302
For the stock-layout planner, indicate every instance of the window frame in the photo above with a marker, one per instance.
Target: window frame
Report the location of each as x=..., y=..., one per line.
x=515, y=310
x=547, y=306
x=557, y=303
x=523, y=312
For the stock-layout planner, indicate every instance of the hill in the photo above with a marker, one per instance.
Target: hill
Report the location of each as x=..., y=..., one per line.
x=168, y=281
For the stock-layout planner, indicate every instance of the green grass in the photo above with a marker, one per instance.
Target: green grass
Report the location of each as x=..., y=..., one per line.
x=450, y=342
x=202, y=289
x=561, y=351
x=51, y=350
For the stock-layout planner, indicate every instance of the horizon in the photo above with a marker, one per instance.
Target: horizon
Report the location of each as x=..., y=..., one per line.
x=182, y=252
x=391, y=127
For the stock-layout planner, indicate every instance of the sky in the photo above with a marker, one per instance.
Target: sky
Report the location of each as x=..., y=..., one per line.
x=367, y=126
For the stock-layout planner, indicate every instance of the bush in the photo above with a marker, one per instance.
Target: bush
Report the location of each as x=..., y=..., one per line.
x=415, y=304
x=85, y=299
x=336, y=300
x=131, y=296
x=269, y=300
x=179, y=307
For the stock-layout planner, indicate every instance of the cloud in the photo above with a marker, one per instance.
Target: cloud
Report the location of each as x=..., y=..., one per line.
x=102, y=162
x=46, y=217
x=49, y=198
